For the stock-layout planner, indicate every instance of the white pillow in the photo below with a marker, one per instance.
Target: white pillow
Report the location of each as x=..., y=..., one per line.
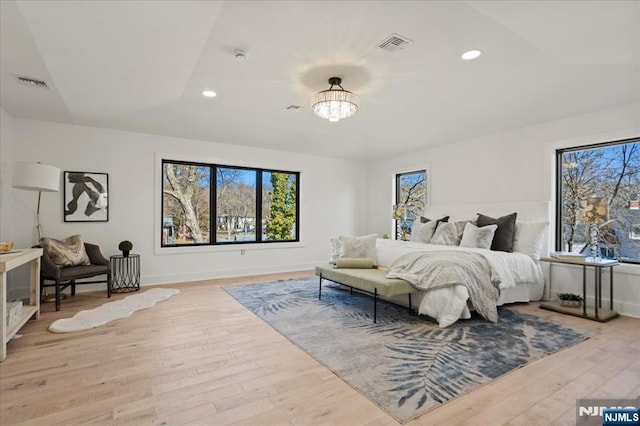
x=529, y=238
x=422, y=232
x=364, y=246
x=448, y=233
x=335, y=250
x=478, y=237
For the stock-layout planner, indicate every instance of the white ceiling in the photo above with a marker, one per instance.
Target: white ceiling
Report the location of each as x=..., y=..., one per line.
x=142, y=65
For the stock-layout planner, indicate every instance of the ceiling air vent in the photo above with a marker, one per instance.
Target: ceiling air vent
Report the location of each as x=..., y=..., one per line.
x=32, y=82
x=293, y=107
x=395, y=42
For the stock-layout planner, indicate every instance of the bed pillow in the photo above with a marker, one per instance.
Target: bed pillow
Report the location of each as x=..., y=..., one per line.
x=478, y=237
x=422, y=230
x=529, y=238
x=364, y=246
x=69, y=252
x=335, y=250
x=449, y=233
x=503, y=239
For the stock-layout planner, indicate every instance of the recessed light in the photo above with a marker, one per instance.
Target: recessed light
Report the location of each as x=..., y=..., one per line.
x=471, y=54
x=209, y=93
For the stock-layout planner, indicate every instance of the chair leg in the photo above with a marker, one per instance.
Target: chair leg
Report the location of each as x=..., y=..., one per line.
x=73, y=287
x=375, y=304
x=109, y=284
x=41, y=287
x=57, y=295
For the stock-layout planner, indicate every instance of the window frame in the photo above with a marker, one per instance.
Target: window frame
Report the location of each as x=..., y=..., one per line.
x=558, y=244
x=213, y=182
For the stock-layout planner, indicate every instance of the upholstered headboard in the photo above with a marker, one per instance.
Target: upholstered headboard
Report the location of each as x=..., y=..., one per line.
x=528, y=211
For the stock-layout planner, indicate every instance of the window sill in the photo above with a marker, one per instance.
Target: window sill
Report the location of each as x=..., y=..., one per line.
x=628, y=268
x=227, y=248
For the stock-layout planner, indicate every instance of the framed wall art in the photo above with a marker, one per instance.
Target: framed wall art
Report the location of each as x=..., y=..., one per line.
x=86, y=197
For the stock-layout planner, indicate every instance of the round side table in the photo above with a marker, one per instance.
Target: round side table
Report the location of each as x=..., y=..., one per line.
x=125, y=273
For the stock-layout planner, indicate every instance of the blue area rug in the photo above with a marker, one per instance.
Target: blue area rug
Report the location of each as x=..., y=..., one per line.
x=404, y=363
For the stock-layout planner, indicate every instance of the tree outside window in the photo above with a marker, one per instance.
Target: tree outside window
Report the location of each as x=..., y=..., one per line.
x=279, y=205
x=411, y=197
x=235, y=204
x=185, y=204
x=610, y=171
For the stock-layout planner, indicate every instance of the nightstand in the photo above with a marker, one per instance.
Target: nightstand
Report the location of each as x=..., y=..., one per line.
x=125, y=273
x=596, y=313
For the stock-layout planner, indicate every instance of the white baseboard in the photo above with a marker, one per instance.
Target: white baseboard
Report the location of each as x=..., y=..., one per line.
x=168, y=279
x=224, y=273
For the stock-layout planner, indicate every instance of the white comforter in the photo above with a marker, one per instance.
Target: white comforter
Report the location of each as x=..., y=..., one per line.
x=447, y=305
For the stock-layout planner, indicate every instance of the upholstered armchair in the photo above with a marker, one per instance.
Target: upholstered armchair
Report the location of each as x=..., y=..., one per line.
x=64, y=277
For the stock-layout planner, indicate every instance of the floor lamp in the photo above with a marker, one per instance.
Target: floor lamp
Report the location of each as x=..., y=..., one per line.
x=36, y=177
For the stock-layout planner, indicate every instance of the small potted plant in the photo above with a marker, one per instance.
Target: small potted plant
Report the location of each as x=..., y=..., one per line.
x=125, y=246
x=570, y=300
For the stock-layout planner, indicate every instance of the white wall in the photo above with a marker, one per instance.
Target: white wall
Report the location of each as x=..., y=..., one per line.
x=514, y=166
x=332, y=192
x=6, y=158
x=19, y=277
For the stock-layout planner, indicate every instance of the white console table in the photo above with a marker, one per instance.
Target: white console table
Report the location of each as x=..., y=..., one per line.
x=9, y=261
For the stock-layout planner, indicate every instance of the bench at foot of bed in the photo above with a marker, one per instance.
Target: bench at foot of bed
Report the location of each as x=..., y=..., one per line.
x=373, y=281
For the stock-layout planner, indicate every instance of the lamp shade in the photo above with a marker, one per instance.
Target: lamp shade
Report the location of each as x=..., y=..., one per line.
x=398, y=211
x=335, y=104
x=36, y=177
x=595, y=210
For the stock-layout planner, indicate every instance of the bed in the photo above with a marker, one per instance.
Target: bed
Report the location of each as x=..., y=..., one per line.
x=521, y=279
x=515, y=275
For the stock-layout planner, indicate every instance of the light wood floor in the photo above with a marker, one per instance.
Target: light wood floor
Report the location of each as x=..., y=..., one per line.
x=202, y=358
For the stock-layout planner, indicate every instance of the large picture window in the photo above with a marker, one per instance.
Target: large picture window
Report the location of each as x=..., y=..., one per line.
x=599, y=187
x=411, y=197
x=211, y=204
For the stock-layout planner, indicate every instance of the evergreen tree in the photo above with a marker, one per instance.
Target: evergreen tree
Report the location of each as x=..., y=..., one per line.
x=283, y=208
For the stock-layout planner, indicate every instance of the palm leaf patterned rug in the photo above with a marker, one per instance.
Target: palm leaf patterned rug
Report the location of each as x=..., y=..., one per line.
x=403, y=363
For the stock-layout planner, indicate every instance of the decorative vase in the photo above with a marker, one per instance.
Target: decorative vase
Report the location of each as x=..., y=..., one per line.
x=125, y=253
x=593, y=240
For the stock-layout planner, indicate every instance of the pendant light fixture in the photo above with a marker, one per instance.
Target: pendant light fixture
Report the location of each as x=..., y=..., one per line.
x=334, y=104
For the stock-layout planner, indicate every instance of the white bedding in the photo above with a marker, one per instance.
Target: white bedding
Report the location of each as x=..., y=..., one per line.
x=521, y=279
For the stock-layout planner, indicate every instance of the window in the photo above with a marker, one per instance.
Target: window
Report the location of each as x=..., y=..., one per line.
x=186, y=208
x=279, y=195
x=209, y=204
x=411, y=197
x=609, y=172
x=236, y=204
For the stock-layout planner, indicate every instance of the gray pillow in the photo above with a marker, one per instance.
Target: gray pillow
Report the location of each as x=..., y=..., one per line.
x=422, y=230
x=477, y=237
x=506, y=232
x=69, y=252
x=449, y=233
